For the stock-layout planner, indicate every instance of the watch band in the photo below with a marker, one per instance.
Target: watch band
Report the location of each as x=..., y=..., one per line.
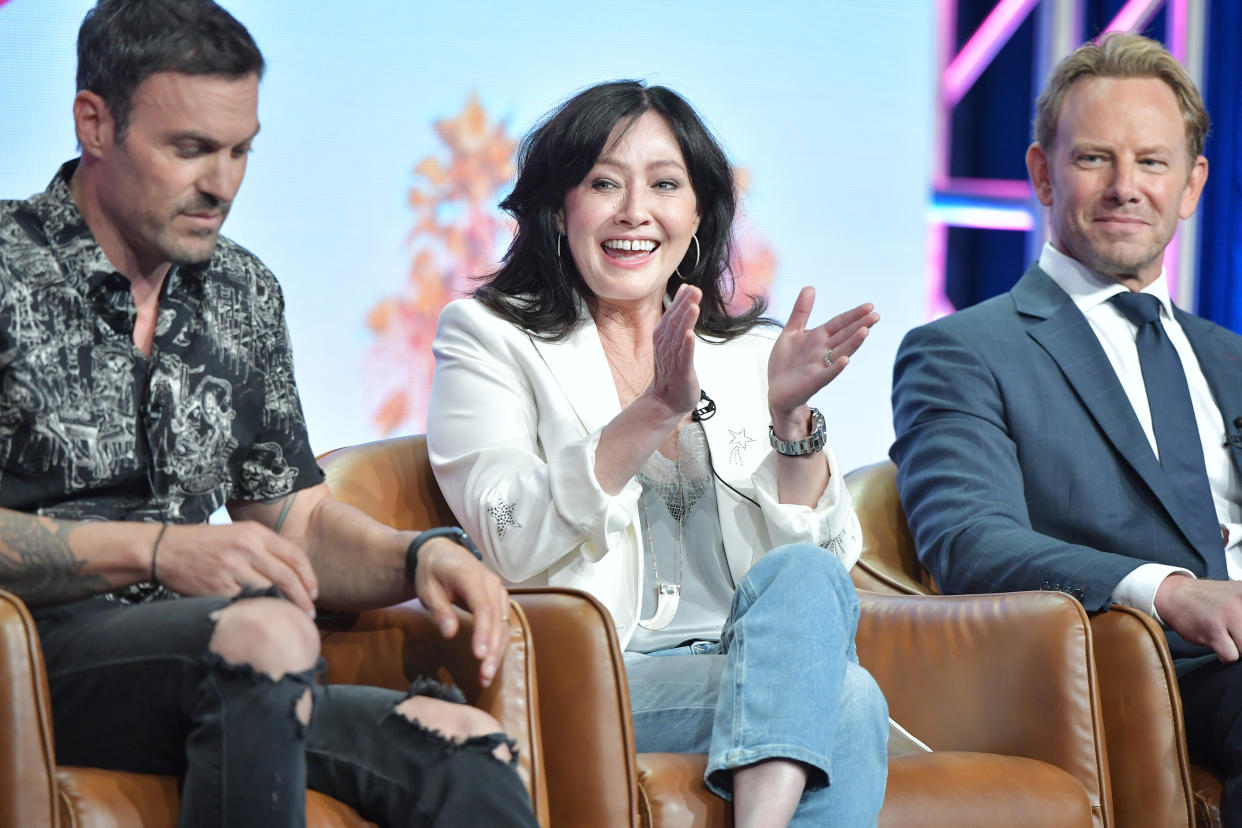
x=813, y=442
x=454, y=533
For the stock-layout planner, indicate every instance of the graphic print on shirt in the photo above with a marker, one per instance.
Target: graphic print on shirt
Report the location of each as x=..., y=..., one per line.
x=93, y=429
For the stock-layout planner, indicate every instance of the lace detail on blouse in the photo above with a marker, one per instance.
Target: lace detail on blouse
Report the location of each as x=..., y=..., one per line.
x=680, y=484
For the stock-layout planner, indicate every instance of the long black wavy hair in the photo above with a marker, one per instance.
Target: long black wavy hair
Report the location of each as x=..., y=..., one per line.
x=538, y=290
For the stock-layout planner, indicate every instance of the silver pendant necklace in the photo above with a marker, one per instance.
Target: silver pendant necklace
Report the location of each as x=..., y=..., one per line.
x=668, y=596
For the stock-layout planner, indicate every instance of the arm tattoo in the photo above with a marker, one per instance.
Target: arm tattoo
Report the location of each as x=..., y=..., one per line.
x=37, y=564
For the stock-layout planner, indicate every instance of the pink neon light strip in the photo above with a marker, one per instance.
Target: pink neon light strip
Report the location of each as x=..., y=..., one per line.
x=1134, y=15
x=946, y=28
x=983, y=45
x=938, y=303
x=1178, y=32
x=988, y=188
x=1171, y=261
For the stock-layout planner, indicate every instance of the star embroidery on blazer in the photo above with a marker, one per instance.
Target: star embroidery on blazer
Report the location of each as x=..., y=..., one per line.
x=738, y=442
x=837, y=543
x=503, y=513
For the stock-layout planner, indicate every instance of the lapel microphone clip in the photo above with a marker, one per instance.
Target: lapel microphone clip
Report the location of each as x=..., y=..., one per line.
x=706, y=409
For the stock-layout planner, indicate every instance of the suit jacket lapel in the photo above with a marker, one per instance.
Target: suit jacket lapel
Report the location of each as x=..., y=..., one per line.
x=1221, y=362
x=1066, y=335
x=579, y=367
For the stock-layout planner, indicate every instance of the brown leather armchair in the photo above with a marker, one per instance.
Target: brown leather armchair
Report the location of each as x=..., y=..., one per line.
x=953, y=669
x=588, y=755
x=1153, y=782
x=386, y=648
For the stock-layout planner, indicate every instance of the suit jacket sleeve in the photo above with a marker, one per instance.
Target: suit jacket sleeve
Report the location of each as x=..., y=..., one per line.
x=961, y=475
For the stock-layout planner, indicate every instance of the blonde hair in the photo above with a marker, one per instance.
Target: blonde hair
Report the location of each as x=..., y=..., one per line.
x=1122, y=55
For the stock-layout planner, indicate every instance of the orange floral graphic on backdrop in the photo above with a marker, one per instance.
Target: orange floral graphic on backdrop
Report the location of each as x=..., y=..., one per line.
x=459, y=233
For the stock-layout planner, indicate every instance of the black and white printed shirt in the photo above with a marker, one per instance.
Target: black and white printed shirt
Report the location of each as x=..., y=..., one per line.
x=90, y=428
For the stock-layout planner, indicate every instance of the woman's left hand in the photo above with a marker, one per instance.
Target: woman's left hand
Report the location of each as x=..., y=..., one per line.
x=799, y=364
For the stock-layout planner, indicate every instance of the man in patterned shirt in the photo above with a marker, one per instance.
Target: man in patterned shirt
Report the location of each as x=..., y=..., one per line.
x=146, y=380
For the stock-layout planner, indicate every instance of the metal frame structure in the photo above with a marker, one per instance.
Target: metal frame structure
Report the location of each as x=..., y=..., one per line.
x=1000, y=204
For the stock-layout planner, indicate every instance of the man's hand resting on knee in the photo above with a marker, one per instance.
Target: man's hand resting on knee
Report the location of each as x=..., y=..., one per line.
x=1208, y=613
x=223, y=560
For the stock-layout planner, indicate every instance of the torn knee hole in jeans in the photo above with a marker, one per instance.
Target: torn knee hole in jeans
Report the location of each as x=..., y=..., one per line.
x=297, y=686
x=427, y=686
x=247, y=592
x=499, y=745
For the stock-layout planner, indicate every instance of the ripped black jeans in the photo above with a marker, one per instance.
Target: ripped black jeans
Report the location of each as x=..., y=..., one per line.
x=135, y=688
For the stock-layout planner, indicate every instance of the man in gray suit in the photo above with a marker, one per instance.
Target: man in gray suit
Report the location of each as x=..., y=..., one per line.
x=1080, y=432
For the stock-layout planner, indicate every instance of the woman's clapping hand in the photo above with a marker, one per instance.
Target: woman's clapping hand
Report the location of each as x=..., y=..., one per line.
x=799, y=364
x=675, y=383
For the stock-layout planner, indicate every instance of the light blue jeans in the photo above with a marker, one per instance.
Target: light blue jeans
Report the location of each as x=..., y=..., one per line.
x=784, y=682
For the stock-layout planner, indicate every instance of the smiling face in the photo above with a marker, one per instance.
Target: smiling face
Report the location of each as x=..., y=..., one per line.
x=630, y=220
x=1118, y=177
x=166, y=185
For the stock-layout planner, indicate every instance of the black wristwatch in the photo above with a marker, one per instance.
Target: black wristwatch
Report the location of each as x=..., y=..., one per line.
x=455, y=533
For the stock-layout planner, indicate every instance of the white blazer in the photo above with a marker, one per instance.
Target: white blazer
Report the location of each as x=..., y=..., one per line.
x=512, y=428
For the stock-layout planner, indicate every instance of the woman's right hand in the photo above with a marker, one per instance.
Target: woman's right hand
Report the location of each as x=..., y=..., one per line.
x=628, y=440
x=674, y=384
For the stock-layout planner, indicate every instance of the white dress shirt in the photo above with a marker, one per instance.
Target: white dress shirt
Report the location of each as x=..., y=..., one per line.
x=1091, y=291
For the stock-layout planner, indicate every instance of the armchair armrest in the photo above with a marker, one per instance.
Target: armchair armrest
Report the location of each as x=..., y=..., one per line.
x=1011, y=674
x=584, y=703
x=889, y=562
x=27, y=758
x=1151, y=775
x=588, y=742
x=390, y=647
x=583, y=759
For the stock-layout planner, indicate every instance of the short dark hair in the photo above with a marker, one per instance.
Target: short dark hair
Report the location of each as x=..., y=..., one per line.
x=123, y=42
x=539, y=290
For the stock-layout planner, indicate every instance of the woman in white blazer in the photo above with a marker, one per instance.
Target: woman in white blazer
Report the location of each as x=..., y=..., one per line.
x=599, y=420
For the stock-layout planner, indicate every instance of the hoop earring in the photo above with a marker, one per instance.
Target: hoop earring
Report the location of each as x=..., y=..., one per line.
x=559, y=236
x=698, y=255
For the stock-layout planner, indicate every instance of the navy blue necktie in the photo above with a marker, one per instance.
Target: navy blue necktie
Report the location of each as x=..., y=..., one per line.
x=1173, y=419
